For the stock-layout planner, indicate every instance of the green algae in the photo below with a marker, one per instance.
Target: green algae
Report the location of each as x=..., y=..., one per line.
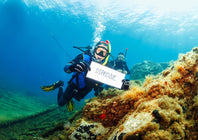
x=26, y=117
x=41, y=125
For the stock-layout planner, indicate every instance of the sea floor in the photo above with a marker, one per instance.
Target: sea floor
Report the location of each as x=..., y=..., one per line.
x=25, y=117
x=17, y=104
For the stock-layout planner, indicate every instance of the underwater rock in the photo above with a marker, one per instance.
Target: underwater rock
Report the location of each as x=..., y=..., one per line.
x=88, y=131
x=164, y=107
x=140, y=70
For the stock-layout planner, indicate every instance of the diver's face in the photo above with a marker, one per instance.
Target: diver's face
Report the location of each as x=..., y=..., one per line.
x=101, y=52
x=121, y=57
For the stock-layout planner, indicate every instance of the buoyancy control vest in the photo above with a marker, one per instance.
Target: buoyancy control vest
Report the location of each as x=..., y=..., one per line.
x=79, y=79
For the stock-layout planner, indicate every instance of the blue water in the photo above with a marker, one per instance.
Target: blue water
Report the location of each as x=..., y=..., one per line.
x=36, y=36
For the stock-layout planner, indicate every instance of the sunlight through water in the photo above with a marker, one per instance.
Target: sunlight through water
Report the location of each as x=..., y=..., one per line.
x=171, y=17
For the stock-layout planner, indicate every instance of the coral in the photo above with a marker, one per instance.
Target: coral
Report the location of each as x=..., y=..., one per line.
x=164, y=107
x=195, y=100
x=87, y=131
x=158, y=135
x=177, y=130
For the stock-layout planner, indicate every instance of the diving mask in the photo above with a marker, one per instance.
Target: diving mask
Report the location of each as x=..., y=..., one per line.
x=121, y=57
x=101, y=51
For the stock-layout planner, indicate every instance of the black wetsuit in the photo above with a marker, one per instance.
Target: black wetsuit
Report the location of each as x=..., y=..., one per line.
x=119, y=65
x=79, y=86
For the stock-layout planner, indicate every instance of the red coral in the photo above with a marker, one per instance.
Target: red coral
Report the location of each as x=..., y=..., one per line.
x=103, y=116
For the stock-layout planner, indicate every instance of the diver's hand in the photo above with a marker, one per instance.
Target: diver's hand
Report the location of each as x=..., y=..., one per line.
x=79, y=67
x=125, y=84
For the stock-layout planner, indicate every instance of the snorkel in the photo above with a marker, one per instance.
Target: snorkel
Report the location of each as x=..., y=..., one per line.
x=125, y=52
x=109, y=48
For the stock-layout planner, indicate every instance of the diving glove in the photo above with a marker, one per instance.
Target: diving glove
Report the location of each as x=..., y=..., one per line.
x=53, y=86
x=79, y=67
x=125, y=84
x=70, y=106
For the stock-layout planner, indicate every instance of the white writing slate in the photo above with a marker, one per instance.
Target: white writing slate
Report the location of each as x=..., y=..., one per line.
x=105, y=75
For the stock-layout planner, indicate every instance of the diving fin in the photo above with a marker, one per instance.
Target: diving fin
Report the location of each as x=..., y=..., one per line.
x=53, y=86
x=70, y=106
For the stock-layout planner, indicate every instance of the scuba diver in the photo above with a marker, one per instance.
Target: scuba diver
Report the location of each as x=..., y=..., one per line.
x=120, y=64
x=79, y=85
